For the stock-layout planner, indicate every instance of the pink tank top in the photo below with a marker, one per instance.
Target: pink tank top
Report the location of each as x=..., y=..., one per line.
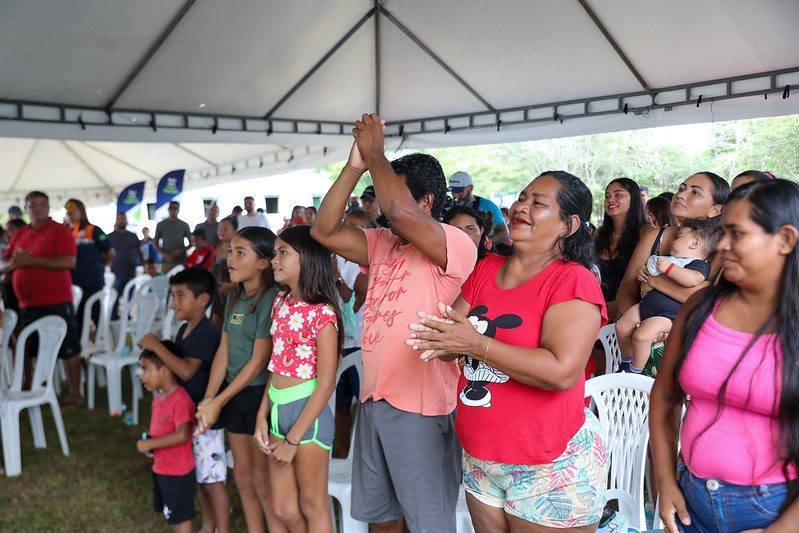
x=742, y=446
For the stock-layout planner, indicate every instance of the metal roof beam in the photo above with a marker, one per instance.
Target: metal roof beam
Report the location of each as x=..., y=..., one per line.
x=149, y=54
x=319, y=63
x=412, y=36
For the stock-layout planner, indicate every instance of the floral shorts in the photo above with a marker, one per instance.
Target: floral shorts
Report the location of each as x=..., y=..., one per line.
x=209, y=456
x=568, y=492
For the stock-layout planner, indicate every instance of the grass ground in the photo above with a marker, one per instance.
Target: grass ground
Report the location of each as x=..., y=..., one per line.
x=104, y=485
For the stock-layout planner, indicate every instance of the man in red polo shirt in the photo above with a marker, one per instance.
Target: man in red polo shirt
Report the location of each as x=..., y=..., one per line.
x=41, y=256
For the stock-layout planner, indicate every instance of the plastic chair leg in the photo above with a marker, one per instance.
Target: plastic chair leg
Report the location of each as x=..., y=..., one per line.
x=348, y=523
x=114, y=376
x=90, y=385
x=12, y=457
x=59, y=426
x=136, y=393
x=37, y=426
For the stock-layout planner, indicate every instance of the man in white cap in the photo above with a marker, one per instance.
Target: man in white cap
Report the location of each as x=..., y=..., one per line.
x=462, y=189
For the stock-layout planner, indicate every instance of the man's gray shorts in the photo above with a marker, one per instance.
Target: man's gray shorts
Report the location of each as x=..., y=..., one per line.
x=405, y=464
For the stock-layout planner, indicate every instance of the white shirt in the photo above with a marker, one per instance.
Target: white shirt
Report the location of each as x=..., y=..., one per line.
x=256, y=219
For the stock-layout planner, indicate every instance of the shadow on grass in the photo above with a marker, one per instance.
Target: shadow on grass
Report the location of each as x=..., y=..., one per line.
x=104, y=485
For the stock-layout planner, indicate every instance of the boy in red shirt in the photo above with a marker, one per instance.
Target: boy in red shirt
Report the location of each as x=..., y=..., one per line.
x=169, y=441
x=203, y=254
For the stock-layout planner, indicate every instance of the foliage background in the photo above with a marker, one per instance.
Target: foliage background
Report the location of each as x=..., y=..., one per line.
x=659, y=158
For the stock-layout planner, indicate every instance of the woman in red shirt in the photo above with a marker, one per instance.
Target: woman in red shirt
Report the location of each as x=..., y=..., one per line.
x=532, y=453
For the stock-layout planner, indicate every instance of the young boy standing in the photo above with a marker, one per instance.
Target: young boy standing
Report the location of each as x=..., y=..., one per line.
x=169, y=441
x=203, y=254
x=197, y=341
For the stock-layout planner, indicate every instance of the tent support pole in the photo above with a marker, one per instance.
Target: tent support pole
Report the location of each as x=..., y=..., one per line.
x=319, y=64
x=149, y=55
x=616, y=48
x=412, y=36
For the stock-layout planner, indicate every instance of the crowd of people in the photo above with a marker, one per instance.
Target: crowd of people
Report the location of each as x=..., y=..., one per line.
x=476, y=327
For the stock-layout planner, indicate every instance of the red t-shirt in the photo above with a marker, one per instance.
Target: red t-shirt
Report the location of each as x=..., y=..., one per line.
x=37, y=286
x=201, y=257
x=168, y=413
x=498, y=418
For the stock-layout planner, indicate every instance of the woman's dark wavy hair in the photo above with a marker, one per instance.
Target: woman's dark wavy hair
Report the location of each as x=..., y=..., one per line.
x=633, y=223
x=316, y=272
x=479, y=218
x=661, y=209
x=756, y=175
x=721, y=189
x=773, y=204
x=574, y=198
x=262, y=241
x=423, y=176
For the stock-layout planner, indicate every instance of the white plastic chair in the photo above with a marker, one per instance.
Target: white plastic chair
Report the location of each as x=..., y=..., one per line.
x=610, y=343
x=622, y=406
x=51, y=331
x=144, y=307
x=77, y=296
x=463, y=520
x=6, y=357
x=339, y=484
x=130, y=290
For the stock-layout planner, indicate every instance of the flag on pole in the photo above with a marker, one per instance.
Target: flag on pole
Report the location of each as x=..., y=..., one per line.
x=170, y=186
x=130, y=197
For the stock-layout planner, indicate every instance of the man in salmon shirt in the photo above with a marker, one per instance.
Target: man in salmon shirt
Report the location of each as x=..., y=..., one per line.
x=41, y=256
x=407, y=461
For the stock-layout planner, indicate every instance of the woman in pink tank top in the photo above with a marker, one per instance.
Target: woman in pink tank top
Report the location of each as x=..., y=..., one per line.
x=733, y=361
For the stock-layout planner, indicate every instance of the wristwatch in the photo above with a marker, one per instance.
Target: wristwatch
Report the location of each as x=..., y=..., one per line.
x=338, y=281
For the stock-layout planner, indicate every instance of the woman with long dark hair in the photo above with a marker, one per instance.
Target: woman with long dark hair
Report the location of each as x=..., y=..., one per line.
x=617, y=237
x=658, y=212
x=701, y=195
x=532, y=319
x=733, y=360
x=473, y=224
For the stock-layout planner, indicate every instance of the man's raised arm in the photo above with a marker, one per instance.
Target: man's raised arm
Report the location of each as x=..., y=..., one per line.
x=328, y=228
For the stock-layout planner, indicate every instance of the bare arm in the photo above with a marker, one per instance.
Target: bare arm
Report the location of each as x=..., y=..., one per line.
x=669, y=287
x=182, y=368
x=361, y=287
x=328, y=228
x=629, y=291
x=180, y=435
x=407, y=218
x=568, y=333
x=664, y=422
x=681, y=275
x=218, y=368
x=57, y=262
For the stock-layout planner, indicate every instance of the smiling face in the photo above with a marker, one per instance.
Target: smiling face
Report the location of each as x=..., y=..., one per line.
x=243, y=261
x=617, y=200
x=750, y=256
x=469, y=226
x=694, y=199
x=286, y=264
x=535, y=221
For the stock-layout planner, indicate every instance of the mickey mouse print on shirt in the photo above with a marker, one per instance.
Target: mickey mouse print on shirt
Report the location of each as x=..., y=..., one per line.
x=477, y=373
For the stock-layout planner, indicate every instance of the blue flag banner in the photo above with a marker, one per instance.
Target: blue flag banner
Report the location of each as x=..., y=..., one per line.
x=130, y=197
x=170, y=186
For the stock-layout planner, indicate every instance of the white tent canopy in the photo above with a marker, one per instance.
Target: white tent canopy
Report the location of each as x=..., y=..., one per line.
x=277, y=84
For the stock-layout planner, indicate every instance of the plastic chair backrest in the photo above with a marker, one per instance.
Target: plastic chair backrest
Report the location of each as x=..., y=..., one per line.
x=102, y=339
x=144, y=309
x=622, y=405
x=6, y=361
x=610, y=343
x=77, y=296
x=159, y=286
x=51, y=331
x=130, y=290
x=174, y=270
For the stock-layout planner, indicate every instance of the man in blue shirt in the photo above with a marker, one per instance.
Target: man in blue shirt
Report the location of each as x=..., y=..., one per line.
x=462, y=189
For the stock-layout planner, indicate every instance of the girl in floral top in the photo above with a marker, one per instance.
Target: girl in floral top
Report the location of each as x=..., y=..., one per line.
x=306, y=341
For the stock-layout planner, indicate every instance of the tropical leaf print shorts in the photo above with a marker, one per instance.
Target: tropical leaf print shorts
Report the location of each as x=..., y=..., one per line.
x=568, y=492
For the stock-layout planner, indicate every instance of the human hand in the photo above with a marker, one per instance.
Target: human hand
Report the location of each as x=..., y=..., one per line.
x=369, y=138
x=143, y=446
x=282, y=452
x=149, y=342
x=445, y=337
x=355, y=161
x=261, y=434
x=672, y=507
x=643, y=274
x=22, y=258
x=207, y=415
x=663, y=265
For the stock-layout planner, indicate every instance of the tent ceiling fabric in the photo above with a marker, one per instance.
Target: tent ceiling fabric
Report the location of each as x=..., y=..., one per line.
x=114, y=77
